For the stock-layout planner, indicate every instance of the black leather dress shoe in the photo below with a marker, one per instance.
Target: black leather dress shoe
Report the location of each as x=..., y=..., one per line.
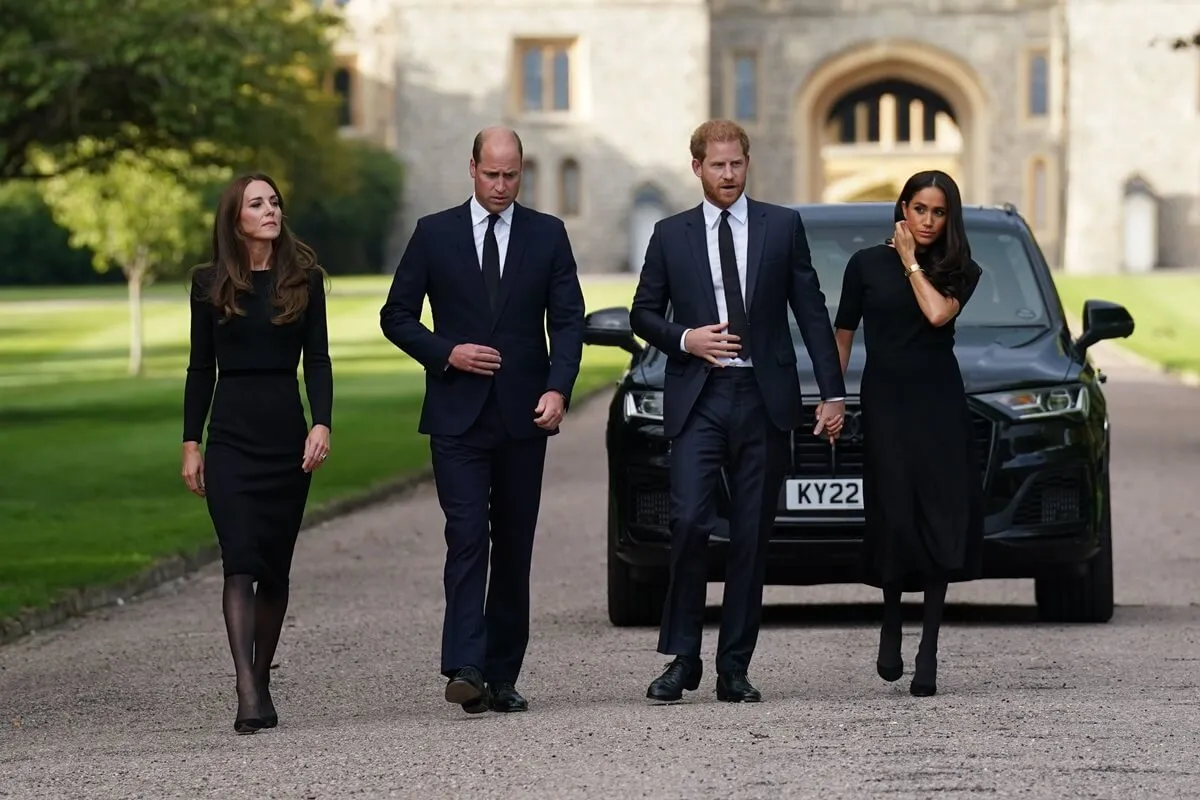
x=467, y=689
x=733, y=687
x=680, y=675
x=506, y=698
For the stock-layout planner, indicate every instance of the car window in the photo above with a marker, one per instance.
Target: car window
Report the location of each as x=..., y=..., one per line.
x=1008, y=292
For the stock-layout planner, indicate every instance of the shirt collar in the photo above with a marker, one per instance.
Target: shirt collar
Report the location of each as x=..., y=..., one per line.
x=740, y=210
x=480, y=214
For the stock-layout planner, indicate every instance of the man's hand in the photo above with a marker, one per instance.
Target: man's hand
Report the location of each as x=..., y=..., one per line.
x=549, y=411
x=711, y=344
x=475, y=358
x=830, y=417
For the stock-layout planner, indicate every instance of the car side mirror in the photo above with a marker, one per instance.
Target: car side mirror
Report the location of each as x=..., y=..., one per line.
x=609, y=327
x=1103, y=320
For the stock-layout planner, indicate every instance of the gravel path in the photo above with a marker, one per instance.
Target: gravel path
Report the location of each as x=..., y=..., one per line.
x=138, y=701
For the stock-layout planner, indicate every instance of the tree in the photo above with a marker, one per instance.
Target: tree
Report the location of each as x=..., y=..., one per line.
x=221, y=80
x=143, y=213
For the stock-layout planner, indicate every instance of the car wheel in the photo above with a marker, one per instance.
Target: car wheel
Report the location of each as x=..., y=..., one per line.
x=1089, y=597
x=631, y=602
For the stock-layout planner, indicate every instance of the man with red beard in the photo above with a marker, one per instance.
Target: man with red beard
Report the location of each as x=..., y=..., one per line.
x=729, y=268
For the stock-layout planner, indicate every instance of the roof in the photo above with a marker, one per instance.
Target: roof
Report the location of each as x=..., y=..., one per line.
x=882, y=213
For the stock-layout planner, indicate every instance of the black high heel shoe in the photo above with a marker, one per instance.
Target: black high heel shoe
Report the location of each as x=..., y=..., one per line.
x=249, y=724
x=924, y=682
x=890, y=663
x=270, y=718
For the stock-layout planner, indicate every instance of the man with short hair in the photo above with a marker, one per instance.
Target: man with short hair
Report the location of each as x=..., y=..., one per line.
x=498, y=277
x=730, y=269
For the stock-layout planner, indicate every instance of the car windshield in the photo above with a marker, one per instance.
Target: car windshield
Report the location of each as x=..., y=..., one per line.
x=1008, y=292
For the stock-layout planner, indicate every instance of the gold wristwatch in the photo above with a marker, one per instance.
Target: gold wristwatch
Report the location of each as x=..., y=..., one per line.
x=911, y=268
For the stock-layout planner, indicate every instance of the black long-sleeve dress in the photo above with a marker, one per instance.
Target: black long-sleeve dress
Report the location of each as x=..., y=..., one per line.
x=922, y=487
x=255, y=487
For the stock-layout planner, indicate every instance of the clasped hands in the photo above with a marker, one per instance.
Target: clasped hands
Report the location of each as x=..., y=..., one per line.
x=711, y=343
x=830, y=418
x=479, y=359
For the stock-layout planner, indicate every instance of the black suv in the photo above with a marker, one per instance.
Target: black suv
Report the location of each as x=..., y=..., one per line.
x=1040, y=420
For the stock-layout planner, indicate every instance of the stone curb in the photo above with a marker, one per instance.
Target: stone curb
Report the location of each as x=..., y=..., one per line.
x=78, y=602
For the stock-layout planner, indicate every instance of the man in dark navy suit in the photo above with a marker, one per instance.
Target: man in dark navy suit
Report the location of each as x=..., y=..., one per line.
x=498, y=276
x=730, y=269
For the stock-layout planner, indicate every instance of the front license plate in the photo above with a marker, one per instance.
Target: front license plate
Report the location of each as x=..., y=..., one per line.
x=824, y=494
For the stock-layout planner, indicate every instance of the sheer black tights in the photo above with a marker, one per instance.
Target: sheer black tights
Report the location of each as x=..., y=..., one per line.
x=254, y=621
x=890, y=663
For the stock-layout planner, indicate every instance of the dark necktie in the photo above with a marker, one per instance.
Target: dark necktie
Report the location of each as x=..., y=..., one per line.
x=491, y=261
x=729, y=276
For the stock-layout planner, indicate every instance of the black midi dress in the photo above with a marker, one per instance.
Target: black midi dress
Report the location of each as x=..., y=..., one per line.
x=256, y=489
x=922, y=483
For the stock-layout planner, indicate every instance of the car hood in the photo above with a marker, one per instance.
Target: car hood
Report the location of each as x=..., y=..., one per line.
x=990, y=359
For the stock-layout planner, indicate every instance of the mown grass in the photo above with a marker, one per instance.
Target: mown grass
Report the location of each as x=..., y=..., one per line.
x=1164, y=308
x=90, y=492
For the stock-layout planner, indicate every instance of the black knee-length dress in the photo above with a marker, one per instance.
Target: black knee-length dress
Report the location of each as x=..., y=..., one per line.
x=255, y=487
x=922, y=485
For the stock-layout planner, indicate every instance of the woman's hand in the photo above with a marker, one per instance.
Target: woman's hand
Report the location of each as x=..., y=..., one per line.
x=193, y=468
x=904, y=244
x=316, y=448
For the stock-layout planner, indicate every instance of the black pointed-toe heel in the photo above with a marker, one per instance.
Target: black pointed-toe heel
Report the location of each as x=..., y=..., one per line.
x=270, y=719
x=248, y=725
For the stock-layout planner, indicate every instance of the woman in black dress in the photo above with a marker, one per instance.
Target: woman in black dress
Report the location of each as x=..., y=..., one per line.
x=921, y=484
x=256, y=306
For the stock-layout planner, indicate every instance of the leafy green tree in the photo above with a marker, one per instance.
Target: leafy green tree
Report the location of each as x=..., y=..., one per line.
x=144, y=213
x=224, y=81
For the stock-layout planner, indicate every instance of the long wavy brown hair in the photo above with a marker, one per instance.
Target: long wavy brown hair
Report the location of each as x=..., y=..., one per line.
x=228, y=268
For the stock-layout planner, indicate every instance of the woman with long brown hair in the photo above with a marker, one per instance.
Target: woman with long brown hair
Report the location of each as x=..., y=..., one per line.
x=257, y=308
x=921, y=484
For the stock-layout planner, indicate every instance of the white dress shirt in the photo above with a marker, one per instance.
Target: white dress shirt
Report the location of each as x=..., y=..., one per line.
x=479, y=225
x=739, y=217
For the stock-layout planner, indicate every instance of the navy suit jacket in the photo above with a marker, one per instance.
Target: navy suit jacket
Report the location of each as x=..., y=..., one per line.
x=779, y=274
x=539, y=294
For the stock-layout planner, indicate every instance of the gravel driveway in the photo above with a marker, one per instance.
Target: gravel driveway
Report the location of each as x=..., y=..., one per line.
x=137, y=701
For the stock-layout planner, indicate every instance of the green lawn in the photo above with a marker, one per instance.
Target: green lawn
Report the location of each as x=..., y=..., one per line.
x=1165, y=309
x=90, y=492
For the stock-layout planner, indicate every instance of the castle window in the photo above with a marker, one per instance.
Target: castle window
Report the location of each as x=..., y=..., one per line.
x=544, y=75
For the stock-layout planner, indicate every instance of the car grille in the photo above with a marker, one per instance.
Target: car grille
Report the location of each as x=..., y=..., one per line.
x=1053, y=497
x=650, y=506
x=813, y=455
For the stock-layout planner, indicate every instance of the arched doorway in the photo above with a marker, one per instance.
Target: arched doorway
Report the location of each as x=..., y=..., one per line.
x=869, y=117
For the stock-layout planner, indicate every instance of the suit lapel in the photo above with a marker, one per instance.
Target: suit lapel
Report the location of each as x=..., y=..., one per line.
x=513, y=258
x=756, y=219
x=698, y=239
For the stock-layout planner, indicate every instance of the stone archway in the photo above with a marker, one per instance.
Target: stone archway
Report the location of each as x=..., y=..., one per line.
x=877, y=69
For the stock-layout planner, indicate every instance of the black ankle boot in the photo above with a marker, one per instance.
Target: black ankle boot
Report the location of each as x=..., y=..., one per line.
x=890, y=662
x=924, y=682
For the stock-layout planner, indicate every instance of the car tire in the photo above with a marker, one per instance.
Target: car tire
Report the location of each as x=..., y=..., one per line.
x=631, y=602
x=1089, y=597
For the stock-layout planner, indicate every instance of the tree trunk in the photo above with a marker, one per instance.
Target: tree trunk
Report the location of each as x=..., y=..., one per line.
x=135, y=276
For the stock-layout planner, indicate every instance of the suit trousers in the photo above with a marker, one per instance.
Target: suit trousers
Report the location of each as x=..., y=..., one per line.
x=728, y=427
x=489, y=486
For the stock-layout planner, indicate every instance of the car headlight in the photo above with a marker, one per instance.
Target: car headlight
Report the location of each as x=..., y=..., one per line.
x=644, y=404
x=1054, y=401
